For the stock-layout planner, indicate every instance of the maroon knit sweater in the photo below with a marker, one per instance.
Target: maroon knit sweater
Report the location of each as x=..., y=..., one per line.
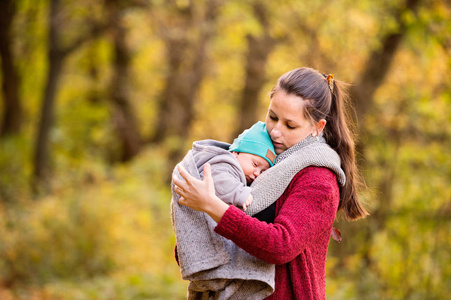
x=297, y=241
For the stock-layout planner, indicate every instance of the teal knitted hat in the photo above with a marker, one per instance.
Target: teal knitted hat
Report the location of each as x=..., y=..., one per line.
x=255, y=140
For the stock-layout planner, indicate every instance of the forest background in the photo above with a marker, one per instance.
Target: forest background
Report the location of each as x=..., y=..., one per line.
x=100, y=99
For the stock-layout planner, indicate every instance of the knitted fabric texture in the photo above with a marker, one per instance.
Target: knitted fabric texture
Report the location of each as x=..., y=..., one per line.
x=271, y=184
x=211, y=262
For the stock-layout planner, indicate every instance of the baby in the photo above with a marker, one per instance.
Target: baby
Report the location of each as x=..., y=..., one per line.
x=233, y=168
x=233, y=171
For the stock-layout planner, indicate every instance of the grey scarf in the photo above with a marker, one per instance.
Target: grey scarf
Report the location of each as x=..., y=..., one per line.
x=271, y=184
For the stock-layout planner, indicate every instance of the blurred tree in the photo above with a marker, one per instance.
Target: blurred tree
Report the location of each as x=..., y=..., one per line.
x=122, y=112
x=371, y=78
x=57, y=53
x=185, y=31
x=94, y=93
x=378, y=64
x=12, y=109
x=259, y=48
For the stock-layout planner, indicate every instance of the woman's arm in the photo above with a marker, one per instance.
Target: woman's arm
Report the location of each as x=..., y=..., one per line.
x=305, y=213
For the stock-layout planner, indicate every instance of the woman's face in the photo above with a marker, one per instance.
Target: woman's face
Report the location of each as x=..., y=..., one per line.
x=285, y=121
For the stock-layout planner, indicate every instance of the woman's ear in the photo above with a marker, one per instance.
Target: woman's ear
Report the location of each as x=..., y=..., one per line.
x=319, y=127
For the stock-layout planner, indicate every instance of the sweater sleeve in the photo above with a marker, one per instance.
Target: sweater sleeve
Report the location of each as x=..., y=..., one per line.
x=308, y=210
x=228, y=186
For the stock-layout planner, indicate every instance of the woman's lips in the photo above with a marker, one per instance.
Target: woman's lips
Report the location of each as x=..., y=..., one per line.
x=277, y=145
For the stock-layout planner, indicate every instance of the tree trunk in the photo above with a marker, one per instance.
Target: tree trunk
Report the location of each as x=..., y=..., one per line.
x=186, y=56
x=373, y=76
x=259, y=49
x=55, y=58
x=362, y=97
x=170, y=106
x=123, y=116
x=94, y=94
x=47, y=115
x=186, y=43
x=56, y=54
x=377, y=67
x=12, y=113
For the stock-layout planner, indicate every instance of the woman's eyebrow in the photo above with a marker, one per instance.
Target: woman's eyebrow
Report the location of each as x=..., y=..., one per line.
x=286, y=120
x=291, y=121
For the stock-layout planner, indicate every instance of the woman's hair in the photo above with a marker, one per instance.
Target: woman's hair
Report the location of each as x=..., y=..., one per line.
x=322, y=101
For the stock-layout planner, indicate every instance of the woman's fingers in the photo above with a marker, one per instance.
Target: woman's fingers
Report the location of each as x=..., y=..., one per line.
x=194, y=192
x=207, y=173
x=182, y=201
x=208, y=179
x=178, y=190
x=181, y=192
x=185, y=175
x=179, y=184
x=189, y=179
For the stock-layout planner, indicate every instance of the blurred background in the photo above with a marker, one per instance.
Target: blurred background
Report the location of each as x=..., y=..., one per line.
x=100, y=99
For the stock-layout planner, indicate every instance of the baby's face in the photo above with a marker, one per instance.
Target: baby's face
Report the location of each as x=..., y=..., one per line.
x=252, y=165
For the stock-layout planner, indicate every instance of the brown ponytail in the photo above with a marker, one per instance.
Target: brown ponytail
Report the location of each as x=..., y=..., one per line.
x=322, y=102
x=339, y=136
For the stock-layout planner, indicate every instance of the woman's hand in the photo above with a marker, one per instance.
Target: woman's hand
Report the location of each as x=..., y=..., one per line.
x=199, y=195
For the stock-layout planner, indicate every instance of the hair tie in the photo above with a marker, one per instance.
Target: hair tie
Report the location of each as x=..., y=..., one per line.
x=330, y=82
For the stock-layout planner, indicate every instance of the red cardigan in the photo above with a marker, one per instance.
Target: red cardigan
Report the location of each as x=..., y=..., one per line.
x=297, y=241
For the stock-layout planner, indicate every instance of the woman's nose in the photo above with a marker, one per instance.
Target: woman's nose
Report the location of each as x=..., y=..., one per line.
x=275, y=132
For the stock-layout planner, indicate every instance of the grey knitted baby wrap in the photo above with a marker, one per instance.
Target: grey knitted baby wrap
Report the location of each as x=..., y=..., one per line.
x=213, y=263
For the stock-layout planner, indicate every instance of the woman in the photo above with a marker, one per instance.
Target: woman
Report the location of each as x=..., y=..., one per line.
x=305, y=107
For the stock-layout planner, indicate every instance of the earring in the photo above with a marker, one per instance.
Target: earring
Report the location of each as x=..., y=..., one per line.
x=315, y=135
